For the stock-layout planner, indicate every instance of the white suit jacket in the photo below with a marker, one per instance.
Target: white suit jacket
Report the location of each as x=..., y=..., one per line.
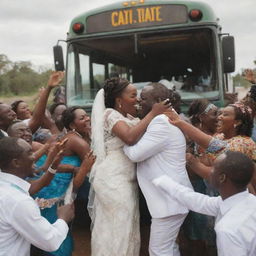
x=161, y=150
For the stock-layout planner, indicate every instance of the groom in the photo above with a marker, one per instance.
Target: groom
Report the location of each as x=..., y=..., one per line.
x=161, y=150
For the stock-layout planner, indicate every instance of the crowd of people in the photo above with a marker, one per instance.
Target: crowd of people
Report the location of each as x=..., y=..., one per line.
x=196, y=173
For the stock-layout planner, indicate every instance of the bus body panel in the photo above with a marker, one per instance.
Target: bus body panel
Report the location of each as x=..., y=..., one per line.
x=208, y=15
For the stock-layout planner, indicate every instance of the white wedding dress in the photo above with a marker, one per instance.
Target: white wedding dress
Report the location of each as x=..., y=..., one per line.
x=116, y=204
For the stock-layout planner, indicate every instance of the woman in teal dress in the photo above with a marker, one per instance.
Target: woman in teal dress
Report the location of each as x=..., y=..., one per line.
x=49, y=197
x=77, y=150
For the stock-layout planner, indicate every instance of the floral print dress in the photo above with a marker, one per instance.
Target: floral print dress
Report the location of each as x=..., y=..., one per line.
x=243, y=144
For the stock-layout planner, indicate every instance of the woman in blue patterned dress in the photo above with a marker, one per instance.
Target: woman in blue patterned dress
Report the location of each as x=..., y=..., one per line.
x=77, y=149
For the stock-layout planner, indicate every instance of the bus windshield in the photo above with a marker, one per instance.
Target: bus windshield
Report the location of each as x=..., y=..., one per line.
x=184, y=60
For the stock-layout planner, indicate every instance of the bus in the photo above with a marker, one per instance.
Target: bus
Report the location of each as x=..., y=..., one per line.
x=179, y=43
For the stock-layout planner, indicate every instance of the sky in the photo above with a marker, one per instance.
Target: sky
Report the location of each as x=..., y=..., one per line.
x=30, y=28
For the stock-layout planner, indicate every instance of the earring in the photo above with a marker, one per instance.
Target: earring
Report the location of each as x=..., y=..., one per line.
x=235, y=125
x=222, y=177
x=120, y=106
x=74, y=130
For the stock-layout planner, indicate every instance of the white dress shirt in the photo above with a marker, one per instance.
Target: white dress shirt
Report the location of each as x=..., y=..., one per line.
x=161, y=150
x=4, y=133
x=21, y=223
x=235, y=223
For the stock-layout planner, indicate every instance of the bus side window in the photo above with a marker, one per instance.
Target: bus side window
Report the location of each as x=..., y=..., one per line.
x=98, y=76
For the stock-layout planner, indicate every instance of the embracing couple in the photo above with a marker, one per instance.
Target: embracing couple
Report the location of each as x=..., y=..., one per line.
x=120, y=140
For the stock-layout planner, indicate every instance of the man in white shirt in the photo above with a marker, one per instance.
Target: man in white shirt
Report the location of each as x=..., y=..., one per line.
x=21, y=223
x=162, y=150
x=234, y=209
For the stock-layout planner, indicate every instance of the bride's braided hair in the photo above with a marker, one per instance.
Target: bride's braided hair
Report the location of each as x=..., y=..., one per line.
x=113, y=88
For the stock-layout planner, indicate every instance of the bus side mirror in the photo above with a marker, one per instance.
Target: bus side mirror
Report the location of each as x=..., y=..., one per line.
x=58, y=58
x=228, y=51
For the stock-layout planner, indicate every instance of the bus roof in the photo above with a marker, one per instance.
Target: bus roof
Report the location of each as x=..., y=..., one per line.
x=207, y=17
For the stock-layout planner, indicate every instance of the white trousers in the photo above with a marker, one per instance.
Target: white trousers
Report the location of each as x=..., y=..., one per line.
x=163, y=234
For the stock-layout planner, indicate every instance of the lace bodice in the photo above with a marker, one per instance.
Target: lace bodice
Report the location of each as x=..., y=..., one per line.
x=111, y=117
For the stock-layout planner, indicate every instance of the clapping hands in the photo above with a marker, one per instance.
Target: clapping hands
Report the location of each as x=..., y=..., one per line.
x=249, y=76
x=88, y=161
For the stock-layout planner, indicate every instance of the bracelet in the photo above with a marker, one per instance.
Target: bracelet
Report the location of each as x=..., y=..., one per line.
x=51, y=170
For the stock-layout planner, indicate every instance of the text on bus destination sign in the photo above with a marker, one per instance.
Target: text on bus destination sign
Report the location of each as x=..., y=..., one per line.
x=138, y=15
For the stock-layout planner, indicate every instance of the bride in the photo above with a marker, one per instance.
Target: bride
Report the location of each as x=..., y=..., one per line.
x=114, y=203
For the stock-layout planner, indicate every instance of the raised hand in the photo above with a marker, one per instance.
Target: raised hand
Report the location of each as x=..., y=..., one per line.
x=85, y=167
x=55, y=79
x=191, y=160
x=66, y=212
x=55, y=153
x=249, y=76
x=57, y=159
x=197, y=167
x=56, y=147
x=88, y=161
x=173, y=116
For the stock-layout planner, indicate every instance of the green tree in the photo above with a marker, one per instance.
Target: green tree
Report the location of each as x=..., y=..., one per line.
x=5, y=64
x=239, y=80
x=20, y=77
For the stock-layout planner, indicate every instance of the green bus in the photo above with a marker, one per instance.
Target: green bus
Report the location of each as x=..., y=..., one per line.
x=178, y=43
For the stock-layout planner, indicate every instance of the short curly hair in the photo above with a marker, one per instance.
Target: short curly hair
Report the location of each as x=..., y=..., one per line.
x=113, y=88
x=9, y=150
x=54, y=106
x=238, y=167
x=15, y=105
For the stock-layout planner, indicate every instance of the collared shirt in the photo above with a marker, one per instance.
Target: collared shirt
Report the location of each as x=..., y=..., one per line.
x=161, y=150
x=3, y=134
x=235, y=223
x=21, y=223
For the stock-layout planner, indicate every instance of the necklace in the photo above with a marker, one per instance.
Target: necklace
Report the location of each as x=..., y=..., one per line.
x=77, y=133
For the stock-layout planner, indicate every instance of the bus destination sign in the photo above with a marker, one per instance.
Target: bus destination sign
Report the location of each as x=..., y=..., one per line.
x=136, y=17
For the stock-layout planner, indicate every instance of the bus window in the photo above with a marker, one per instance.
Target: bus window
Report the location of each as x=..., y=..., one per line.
x=71, y=89
x=115, y=69
x=78, y=76
x=184, y=60
x=86, y=93
x=85, y=78
x=98, y=76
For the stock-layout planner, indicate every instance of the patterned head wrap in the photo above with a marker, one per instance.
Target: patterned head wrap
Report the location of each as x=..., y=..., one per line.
x=242, y=107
